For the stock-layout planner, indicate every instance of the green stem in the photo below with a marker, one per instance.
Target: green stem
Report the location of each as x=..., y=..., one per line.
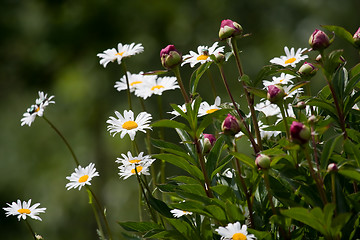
x=176, y=71
x=30, y=229
x=97, y=219
x=267, y=185
x=249, y=99
x=127, y=84
x=251, y=138
x=64, y=140
x=212, y=83
x=333, y=189
x=281, y=106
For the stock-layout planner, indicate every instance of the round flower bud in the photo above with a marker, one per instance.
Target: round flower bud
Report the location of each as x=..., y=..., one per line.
x=332, y=167
x=229, y=28
x=356, y=37
x=220, y=58
x=312, y=119
x=262, y=161
x=170, y=57
x=319, y=40
x=301, y=105
x=307, y=70
x=208, y=143
x=299, y=132
x=230, y=126
x=275, y=93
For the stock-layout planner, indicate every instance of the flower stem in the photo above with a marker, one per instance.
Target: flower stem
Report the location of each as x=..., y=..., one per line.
x=281, y=106
x=64, y=140
x=251, y=138
x=30, y=229
x=249, y=99
x=176, y=71
x=267, y=185
x=127, y=85
x=101, y=232
x=333, y=188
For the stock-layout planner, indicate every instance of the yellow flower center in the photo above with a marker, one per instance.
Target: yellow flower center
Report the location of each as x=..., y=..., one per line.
x=211, y=110
x=156, y=87
x=120, y=53
x=129, y=125
x=134, y=161
x=138, y=169
x=135, y=82
x=37, y=109
x=239, y=236
x=282, y=80
x=202, y=57
x=290, y=60
x=83, y=178
x=22, y=210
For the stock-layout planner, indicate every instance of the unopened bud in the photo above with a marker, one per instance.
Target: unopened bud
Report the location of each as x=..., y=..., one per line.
x=301, y=105
x=262, y=161
x=275, y=93
x=209, y=141
x=332, y=167
x=170, y=57
x=307, y=70
x=319, y=40
x=230, y=126
x=229, y=28
x=219, y=58
x=356, y=37
x=299, y=132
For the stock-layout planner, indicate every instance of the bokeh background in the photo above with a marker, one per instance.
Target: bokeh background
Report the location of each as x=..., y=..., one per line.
x=52, y=45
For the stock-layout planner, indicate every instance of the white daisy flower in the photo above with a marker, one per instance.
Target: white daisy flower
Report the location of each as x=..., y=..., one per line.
x=291, y=93
x=81, y=176
x=37, y=109
x=136, y=160
x=291, y=57
x=283, y=79
x=156, y=86
x=126, y=171
x=24, y=210
x=127, y=125
x=135, y=80
x=122, y=51
x=235, y=232
x=179, y=213
x=265, y=134
x=267, y=108
x=203, y=54
x=206, y=108
x=182, y=107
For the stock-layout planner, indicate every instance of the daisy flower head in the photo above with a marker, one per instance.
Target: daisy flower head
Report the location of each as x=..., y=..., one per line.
x=156, y=86
x=291, y=92
x=234, y=231
x=206, y=108
x=126, y=171
x=81, y=176
x=136, y=160
x=122, y=51
x=127, y=124
x=283, y=79
x=291, y=57
x=24, y=210
x=179, y=213
x=36, y=109
x=182, y=108
x=135, y=80
x=203, y=54
x=267, y=108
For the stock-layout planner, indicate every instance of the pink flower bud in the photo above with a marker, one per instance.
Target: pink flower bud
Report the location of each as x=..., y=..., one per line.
x=319, y=40
x=307, y=70
x=209, y=141
x=299, y=132
x=230, y=126
x=262, y=161
x=229, y=28
x=275, y=93
x=332, y=167
x=170, y=57
x=356, y=37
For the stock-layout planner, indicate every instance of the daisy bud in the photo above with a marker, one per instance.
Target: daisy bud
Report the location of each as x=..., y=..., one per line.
x=230, y=126
x=307, y=70
x=356, y=37
x=262, y=161
x=299, y=132
x=229, y=28
x=275, y=93
x=319, y=40
x=209, y=141
x=332, y=167
x=170, y=57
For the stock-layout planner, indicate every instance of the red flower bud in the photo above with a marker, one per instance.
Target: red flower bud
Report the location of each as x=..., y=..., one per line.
x=229, y=28
x=356, y=37
x=170, y=57
x=230, y=126
x=319, y=40
x=299, y=132
x=332, y=167
x=275, y=93
x=209, y=141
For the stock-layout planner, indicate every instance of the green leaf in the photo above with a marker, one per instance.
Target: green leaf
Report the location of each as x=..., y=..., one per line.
x=170, y=147
x=325, y=105
x=245, y=159
x=354, y=71
x=139, y=226
x=328, y=150
x=217, y=212
x=183, y=228
x=245, y=78
x=339, y=81
x=159, y=206
x=233, y=212
x=209, y=118
x=188, y=142
x=180, y=111
x=171, y=124
x=341, y=32
x=156, y=72
x=169, y=234
x=214, y=155
x=354, y=78
x=185, y=179
x=351, y=173
x=257, y=91
x=223, y=163
x=197, y=74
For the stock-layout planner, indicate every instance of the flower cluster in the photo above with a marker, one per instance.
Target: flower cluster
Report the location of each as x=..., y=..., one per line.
x=134, y=165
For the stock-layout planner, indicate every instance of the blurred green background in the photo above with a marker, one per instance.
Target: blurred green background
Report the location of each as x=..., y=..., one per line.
x=52, y=45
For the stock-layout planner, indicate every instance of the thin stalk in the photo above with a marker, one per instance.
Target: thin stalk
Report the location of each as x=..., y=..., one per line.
x=281, y=106
x=267, y=185
x=176, y=71
x=127, y=85
x=97, y=219
x=333, y=189
x=30, y=229
x=249, y=99
x=251, y=138
x=212, y=83
x=64, y=140
x=312, y=127
x=315, y=177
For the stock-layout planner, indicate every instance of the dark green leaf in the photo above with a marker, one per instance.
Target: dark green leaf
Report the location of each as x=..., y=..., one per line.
x=159, y=206
x=195, y=77
x=170, y=124
x=245, y=159
x=214, y=155
x=170, y=147
x=341, y=32
x=257, y=91
x=328, y=150
x=217, y=212
x=139, y=226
